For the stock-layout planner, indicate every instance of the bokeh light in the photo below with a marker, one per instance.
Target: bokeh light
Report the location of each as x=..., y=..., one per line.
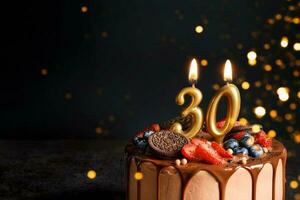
x=245, y=85
x=259, y=111
x=199, y=29
x=91, y=174
x=138, y=176
x=284, y=42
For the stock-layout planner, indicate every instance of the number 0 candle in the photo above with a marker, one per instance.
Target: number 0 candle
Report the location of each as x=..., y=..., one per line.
x=192, y=109
x=232, y=94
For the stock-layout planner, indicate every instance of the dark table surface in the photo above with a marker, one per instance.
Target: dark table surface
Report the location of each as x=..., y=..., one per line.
x=58, y=169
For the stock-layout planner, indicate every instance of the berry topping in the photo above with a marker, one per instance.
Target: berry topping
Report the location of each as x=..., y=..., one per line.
x=198, y=141
x=155, y=127
x=256, y=151
x=240, y=135
x=189, y=151
x=247, y=141
x=140, y=134
x=220, y=150
x=231, y=144
x=240, y=150
x=262, y=139
x=209, y=155
x=147, y=134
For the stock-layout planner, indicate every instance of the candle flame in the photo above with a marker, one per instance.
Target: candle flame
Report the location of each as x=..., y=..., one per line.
x=228, y=71
x=193, y=72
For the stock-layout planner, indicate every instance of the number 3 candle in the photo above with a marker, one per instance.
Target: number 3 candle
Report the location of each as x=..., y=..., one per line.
x=231, y=92
x=192, y=109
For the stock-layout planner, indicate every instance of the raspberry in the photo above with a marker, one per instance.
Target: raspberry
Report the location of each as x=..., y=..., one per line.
x=262, y=139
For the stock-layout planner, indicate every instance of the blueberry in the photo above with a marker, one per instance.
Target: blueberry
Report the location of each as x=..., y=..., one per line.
x=256, y=151
x=147, y=134
x=247, y=141
x=231, y=144
x=240, y=150
x=135, y=140
x=142, y=144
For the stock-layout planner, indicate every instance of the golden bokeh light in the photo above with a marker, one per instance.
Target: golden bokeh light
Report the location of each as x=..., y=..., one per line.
x=245, y=85
x=99, y=130
x=297, y=138
x=138, y=176
x=267, y=46
x=267, y=67
x=283, y=93
x=268, y=87
x=204, y=62
x=84, y=9
x=288, y=116
x=251, y=55
x=296, y=46
x=199, y=29
x=294, y=184
x=256, y=128
x=243, y=121
x=273, y=113
x=289, y=129
x=272, y=133
x=216, y=86
x=259, y=111
x=91, y=174
x=44, y=72
x=298, y=94
x=252, y=62
x=284, y=42
x=293, y=106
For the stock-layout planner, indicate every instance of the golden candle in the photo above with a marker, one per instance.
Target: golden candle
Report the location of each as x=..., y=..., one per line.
x=192, y=109
x=232, y=94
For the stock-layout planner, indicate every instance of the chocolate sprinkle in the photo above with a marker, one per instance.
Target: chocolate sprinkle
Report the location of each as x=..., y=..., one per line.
x=167, y=143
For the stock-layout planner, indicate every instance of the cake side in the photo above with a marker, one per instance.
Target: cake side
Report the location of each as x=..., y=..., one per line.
x=260, y=179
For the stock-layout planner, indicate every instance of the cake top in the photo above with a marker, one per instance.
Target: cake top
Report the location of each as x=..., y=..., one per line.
x=243, y=144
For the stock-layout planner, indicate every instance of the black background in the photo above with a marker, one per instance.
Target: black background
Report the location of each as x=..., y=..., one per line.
x=117, y=67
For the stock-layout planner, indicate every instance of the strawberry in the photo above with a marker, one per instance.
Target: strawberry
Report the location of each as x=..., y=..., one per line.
x=189, y=151
x=155, y=127
x=198, y=141
x=262, y=139
x=220, y=150
x=209, y=155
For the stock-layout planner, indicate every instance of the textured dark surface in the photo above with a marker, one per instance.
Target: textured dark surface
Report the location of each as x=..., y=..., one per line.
x=57, y=169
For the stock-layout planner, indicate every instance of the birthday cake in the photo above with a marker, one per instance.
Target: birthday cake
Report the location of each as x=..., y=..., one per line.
x=224, y=160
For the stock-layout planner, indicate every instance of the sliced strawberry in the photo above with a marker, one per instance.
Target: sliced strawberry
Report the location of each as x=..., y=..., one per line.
x=262, y=139
x=209, y=155
x=189, y=151
x=155, y=127
x=198, y=141
x=220, y=150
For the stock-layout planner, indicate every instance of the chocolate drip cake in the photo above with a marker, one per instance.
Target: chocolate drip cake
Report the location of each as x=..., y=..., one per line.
x=248, y=166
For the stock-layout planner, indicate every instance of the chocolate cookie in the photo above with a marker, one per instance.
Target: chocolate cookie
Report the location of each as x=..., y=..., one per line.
x=167, y=143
